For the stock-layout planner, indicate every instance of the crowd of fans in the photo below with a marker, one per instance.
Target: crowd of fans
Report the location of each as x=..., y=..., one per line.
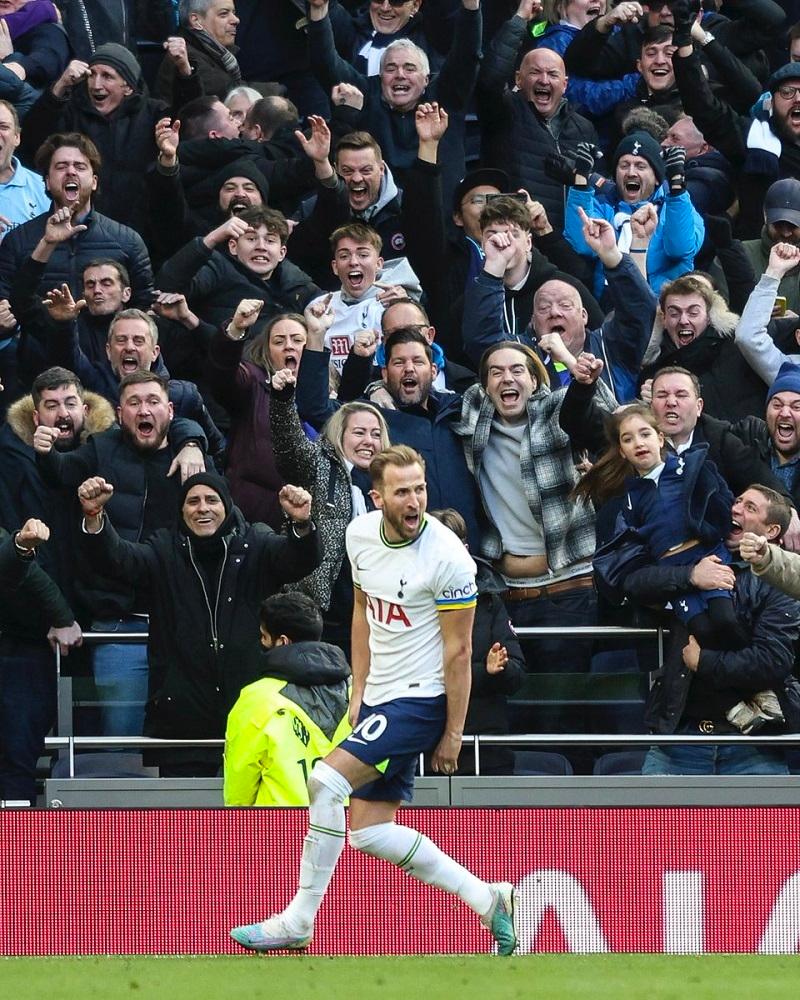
x=247, y=245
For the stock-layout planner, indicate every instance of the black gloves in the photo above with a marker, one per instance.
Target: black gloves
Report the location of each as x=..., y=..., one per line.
x=684, y=15
x=675, y=168
x=585, y=156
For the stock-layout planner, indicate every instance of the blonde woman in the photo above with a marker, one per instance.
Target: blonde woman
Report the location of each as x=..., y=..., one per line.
x=335, y=470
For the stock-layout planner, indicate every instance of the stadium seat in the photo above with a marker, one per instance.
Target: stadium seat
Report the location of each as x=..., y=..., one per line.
x=620, y=762
x=541, y=762
x=104, y=765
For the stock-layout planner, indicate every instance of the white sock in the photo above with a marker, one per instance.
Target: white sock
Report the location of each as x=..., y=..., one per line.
x=322, y=846
x=420, y=857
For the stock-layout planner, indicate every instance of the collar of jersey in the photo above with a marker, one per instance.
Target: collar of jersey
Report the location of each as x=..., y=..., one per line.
x=410, y=541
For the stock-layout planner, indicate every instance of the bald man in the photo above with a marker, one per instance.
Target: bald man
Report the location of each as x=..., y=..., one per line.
x=519, y=126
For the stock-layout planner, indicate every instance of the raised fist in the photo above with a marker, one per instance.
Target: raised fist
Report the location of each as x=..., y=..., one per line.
x=32, y=533
x=295, y=502
x=94, y=494
x=44, y=438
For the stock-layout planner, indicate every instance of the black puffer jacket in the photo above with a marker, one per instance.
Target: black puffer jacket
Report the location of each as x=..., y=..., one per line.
x=103, y=238
x=204, y=633
x=723, y=677
x=133, y=508
x=212, y=75
x=125, y=140
x=514, y=137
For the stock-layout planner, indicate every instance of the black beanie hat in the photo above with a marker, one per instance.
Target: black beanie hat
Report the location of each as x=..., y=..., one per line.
x=243, y=168
x=644, y=145
x=217, y=483
x=122, y=60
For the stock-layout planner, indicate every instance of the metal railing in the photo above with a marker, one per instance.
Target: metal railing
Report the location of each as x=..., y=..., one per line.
x=72, y=743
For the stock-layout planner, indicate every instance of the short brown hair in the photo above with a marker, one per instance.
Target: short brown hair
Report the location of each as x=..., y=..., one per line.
x=13, y=112
x=678, y=370
x=779, y=509
x=357, y=141
x=273, y=220
x=506, y=209
x=533, y=362
x=140, y=377
x=401, y=456
x=356, y=231
x=118, y=266
x=687, y=284
x=74, y=140
x=54, y=378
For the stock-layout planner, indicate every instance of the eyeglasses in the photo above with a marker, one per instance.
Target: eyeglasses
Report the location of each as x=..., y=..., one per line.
x=392, y=3
x=788, y=92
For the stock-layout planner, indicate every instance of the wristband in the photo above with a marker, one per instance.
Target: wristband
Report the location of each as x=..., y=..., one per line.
x=638, y=250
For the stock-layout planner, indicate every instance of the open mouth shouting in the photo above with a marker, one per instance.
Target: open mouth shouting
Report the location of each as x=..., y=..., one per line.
x=65, y=427
x=358, y=192
x=72, y=192
x=785, y=434
x=356, y=280
x=542, y=95
x=594, y=10
x=684, y=335
x=238, y=205
x=145, y=429
x=129, y=363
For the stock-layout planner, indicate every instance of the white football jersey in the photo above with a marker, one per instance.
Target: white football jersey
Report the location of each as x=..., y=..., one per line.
x=406, y=585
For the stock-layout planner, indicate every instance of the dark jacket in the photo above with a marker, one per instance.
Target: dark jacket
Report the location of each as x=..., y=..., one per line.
x=243, y=389
x=729, y=386
x=514, y=137
x=429, y=431
x=621, y=341
x=30, y=602
x=133, y=509
x=723, y=676
x=609, y=56
x=208, y=68
x=395, y=131
x=103, y=238
x=204, y=632
x=90, y=23
x=431, y=29
x=43, y=52
x=754, y=432
x=740, y=463
x=125, y=140
x=215, y=283
x=24, y=494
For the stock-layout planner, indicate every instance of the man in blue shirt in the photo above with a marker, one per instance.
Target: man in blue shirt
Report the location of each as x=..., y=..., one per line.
x=22, y=192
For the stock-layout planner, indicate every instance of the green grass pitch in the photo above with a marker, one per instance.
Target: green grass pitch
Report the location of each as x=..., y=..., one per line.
x=549, y=977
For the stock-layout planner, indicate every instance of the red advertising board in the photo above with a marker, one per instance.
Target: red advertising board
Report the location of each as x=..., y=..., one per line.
x=588, y=880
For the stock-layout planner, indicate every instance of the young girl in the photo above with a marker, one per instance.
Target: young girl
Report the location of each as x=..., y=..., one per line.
x=680, y=507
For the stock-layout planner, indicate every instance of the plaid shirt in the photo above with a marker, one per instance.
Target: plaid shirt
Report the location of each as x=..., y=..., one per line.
x=548, y=472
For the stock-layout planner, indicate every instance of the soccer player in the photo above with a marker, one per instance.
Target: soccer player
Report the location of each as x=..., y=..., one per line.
x=415, y=598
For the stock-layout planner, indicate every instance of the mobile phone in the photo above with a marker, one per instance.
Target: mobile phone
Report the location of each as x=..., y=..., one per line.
x=517, y=195
x=779, y=309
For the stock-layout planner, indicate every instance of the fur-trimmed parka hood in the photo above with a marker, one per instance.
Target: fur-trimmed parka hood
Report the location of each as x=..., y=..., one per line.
x=99, y=417
x=721, y=325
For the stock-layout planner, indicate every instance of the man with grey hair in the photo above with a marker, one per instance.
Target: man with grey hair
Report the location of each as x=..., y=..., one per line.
x=131, y=345
x=404, y=82
x=208, y=27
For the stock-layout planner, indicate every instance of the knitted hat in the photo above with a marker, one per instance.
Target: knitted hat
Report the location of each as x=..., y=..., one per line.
x=787, y=380
x=791, y=71
x=243, y=168
x=122, y=60
x=782, y=201
x=644, y=145
x=217, y=483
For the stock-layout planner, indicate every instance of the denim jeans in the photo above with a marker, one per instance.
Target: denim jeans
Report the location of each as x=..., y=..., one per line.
x=120, y=677
x=27, y=712
x=708, y=759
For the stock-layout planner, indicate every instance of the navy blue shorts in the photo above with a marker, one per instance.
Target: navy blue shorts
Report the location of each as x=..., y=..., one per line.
x=391, y=737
